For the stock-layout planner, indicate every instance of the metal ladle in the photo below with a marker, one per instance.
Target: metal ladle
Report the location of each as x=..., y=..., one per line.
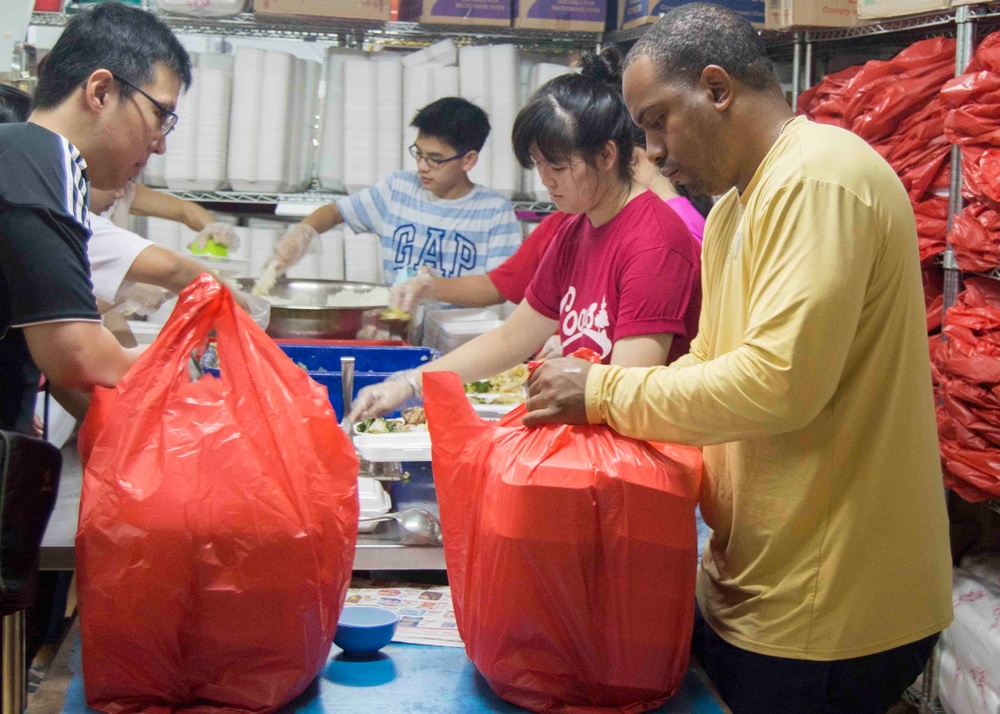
x=416, y=526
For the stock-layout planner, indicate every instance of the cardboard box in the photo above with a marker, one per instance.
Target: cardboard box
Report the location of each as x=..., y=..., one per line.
x=634, y=13
x=488, y=13
x=786, y=14
x=878, y=9
x=346, y=9
x=561, y=15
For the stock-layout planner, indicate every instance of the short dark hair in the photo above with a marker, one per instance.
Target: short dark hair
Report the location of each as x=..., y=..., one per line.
x=578, y=113
x=455, y=120
x=15, y=105
x=691, y=37
x=126, y=41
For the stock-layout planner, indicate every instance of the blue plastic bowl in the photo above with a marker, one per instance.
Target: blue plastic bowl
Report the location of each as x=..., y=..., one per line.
x=363, y=629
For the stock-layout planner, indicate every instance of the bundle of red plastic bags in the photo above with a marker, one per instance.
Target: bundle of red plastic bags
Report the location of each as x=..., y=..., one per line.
x=967, y=373
x=973, y=122
x=571, y=554
x=217, y=524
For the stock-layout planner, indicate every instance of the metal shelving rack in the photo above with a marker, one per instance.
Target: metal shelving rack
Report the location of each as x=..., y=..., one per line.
x=357, y=32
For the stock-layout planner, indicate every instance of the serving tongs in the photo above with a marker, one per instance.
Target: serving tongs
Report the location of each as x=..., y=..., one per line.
x=379, y=471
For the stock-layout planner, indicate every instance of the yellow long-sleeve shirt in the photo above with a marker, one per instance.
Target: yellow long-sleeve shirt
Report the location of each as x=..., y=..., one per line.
x=809, y=387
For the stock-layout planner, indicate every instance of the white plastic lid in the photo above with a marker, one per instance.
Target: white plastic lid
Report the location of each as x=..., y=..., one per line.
x=374, y=501
x=406, y=446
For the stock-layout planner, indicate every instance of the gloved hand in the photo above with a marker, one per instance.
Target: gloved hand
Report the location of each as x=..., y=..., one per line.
x=143, y=299
x=293, y=245
x=388, y=396
x=414, y=291
x=552, y=349
x=220, y=233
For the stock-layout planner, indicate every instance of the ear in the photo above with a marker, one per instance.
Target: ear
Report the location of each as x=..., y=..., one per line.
x=719, y=85
x=469, y=161
x=98, y=88
x=608, y=157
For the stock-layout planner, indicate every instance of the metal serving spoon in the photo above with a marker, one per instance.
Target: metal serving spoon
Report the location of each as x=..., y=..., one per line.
x=416, y=526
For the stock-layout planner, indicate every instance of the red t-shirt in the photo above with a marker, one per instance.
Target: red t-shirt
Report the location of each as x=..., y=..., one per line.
x=515, y=273
x=638, y=274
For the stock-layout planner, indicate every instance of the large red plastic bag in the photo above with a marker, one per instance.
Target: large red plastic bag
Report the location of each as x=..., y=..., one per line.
x=217, y=524
x=975, y=237
x=571, y=554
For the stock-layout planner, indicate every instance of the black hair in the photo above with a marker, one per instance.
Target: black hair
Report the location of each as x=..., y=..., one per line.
x=578, y=113
x=15, y=105
x=126, y=41
x=691, y=37
x=455, y=120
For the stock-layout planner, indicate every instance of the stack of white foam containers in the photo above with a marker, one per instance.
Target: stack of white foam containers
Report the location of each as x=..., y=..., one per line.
x=263, y=235
x=363, y=258
x=504, y=89
x=360, y=123
x=474, y=84
x=270, y=141
x=331, y=145
x=389, y=114
x=197, y=158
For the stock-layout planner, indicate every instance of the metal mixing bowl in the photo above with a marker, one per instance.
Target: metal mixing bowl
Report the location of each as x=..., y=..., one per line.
x=309, y=317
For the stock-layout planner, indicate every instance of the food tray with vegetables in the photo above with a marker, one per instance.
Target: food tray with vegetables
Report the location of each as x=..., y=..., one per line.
x=403, y=439
x=494, y=397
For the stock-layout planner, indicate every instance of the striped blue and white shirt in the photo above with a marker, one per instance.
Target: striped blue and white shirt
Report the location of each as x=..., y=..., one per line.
x=470, y=235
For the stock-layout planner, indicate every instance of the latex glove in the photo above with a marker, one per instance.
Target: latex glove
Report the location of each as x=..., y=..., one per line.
x=256, y=307
x=293, y=245
x=552, y=349
x=143, y=299
x=220, y=233
x=413, y=292
x=385, y=397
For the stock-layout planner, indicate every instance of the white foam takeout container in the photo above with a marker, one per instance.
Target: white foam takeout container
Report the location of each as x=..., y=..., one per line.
x=396, y=446
x=374, y=501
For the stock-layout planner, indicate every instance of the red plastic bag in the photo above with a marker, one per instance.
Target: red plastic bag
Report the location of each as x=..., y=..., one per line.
x=217, y=524
x=571, y=554
x=975, y=237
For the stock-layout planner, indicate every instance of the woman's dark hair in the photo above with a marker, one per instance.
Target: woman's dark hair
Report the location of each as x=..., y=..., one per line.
x=126, y=41
x=454, y=120
x=578, y=114
x=15, y=105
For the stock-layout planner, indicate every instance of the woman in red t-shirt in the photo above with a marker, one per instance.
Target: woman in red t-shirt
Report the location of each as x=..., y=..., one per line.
x=622, y=274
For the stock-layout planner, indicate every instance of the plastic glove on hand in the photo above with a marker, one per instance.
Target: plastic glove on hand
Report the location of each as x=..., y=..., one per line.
x=413, y=292
x=143, y=299
x=215, y=239
x=388, y=396
x=293, y=245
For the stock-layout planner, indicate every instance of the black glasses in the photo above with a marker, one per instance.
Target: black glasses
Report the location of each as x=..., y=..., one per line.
x=168, y=119
x=433, y=163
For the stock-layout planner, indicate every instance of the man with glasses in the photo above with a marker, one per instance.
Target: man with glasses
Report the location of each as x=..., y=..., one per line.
x=434, y=217
x=104, y=103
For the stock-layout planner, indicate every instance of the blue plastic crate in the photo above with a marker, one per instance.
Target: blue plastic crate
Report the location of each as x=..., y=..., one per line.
x=371, y=365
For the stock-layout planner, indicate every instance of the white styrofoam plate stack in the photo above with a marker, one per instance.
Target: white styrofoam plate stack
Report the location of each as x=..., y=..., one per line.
x=164, y=233
x=418, y=92
x=331, y=144
x=363, y=258
x=244, y=118
x=360, y=124
x=273, y=121
x=474, y=85
x=505, y=174
x=331, y=257
x=389, y=108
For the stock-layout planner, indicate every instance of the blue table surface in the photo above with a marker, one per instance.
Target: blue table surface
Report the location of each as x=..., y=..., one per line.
x=411, y=679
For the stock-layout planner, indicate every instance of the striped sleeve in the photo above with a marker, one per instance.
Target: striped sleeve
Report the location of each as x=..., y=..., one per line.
x=505, y=237
x=367, y=210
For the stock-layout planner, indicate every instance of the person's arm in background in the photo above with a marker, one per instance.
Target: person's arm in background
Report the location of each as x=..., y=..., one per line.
x=642, y=350
x=162, y=267
x=149, y=202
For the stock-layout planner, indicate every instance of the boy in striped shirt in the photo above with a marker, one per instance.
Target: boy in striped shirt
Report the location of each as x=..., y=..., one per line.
x=435, y=216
